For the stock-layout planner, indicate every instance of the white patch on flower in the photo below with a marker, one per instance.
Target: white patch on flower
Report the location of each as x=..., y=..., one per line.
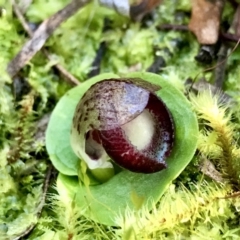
x=125, y=153
x=140, y=130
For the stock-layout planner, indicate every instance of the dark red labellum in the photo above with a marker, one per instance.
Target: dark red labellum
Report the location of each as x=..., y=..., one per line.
x=152, y=158
x=126, y=120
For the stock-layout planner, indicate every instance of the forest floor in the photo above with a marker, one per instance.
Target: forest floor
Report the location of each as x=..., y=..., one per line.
x=50, y=47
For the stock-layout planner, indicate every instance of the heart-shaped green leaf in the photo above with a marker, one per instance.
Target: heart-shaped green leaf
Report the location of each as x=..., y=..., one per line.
x=104, y=201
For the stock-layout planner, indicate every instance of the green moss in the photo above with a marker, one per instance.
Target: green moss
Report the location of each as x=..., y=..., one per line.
x=128, y=46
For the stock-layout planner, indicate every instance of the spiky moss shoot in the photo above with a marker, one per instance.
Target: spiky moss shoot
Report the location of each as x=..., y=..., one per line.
x=207, y=144
x=182, y=214
x=216, y=140
x=68, y=222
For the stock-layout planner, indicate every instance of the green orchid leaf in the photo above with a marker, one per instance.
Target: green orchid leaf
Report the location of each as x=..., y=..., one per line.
x=105, y=201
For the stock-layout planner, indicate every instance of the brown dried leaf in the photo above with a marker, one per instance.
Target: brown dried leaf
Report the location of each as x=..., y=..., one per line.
x=203, y=85
x=205, y=20
x=208, y=169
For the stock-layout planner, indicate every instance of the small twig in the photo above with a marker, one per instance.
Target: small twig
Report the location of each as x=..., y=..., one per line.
x=21, y=18
x=224, y=36
x=40, y=36
x=229, y=37
x=236, y=194
x=45, y=188
x=27, y=231
x=41, y=204
x=68, y=76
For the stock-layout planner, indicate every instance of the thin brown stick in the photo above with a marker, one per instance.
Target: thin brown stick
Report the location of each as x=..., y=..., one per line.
x=45, y=188
x=21, y=18
x=230, y=37
x=233, y=195
x=224, y=36
x=67, y=75
x=40, y=36
x=40, y=205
